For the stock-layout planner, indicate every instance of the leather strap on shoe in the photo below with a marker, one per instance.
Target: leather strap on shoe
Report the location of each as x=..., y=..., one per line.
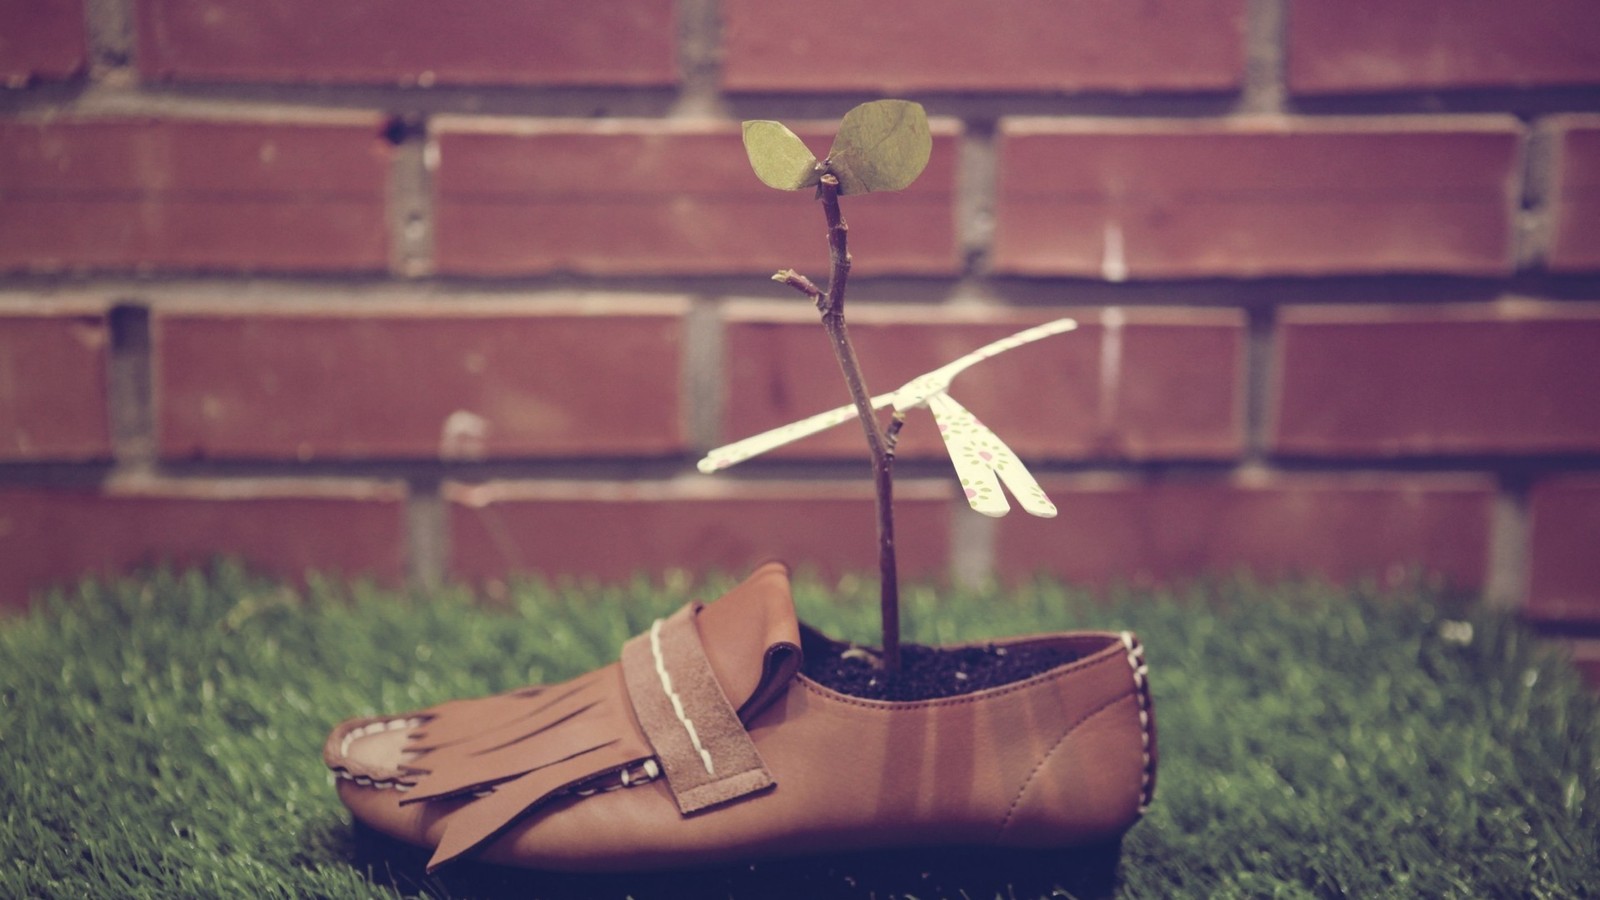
x=706, y=754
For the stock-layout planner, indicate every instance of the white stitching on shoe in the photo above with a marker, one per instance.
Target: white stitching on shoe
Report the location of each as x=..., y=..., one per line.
x=677, y=704
x=376, y=726
x=1141, y=684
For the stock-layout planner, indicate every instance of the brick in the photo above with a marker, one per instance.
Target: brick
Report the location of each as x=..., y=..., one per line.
x=54, y=536
x=42, y=39
x=420, y=381
x=1576, y=213
x=1564, y=583
x=664, y=198
x=53, y=386
x=1514, y=378
x=410, y=42
x=618, y=530
x=1180, y=389
x=139, y=194
x=1371, y=46
x=1256, y=197
x=1164, y=384
x=1124, y=530
x=947, y=45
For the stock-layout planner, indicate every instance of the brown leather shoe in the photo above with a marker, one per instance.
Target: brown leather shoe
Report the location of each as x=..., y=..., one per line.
x=706, y=744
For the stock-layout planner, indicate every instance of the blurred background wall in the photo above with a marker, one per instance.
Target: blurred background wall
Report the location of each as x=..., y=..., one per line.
x=427, y=291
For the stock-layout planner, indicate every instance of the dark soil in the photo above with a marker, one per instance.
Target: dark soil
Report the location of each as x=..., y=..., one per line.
x=925, y=672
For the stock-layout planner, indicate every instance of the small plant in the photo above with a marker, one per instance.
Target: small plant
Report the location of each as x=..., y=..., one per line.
x=882, y=146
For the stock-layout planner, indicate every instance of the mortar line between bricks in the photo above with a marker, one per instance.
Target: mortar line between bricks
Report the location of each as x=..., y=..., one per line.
x=1532, y=210
x=1509, y=558
x=699, y=41
x=110, y=26
x=974, y=546
x=703, y=384
x=1440, y=102
x=120, y=95
x=1265, y=36
x=976, y=188
x=845, y=469
x=428, y=548
x=1260, y=373
x=410, y=197
x=130, y=388
x=1416, y=290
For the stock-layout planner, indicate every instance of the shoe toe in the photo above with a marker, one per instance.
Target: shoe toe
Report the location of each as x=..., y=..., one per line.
x=370, y=752
x=368, y=756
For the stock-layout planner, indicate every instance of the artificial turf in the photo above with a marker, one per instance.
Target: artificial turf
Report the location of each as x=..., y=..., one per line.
x=160, y=737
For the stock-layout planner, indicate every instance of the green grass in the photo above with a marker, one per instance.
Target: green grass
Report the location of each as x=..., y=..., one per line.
x=159, y=737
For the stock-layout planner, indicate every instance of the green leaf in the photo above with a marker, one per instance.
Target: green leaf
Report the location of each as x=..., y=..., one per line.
x=881, y=146
x=780, y=159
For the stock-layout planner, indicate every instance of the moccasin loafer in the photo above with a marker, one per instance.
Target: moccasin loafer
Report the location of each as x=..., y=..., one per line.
x=705, y=744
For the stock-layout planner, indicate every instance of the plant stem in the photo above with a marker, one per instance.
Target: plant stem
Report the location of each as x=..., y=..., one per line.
x=831, y=304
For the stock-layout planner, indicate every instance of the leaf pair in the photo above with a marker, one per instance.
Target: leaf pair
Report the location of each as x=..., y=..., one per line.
x=881, y=146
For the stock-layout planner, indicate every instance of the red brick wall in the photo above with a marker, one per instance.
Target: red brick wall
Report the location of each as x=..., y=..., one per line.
x=424, y=290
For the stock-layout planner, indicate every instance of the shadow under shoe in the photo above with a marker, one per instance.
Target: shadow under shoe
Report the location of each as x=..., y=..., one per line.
x=1080, y=872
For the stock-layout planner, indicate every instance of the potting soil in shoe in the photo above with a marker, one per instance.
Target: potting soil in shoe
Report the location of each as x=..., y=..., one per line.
x=925, y=672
